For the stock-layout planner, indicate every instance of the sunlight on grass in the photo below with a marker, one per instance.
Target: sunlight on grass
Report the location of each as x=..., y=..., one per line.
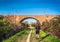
x=42, y=33
x=48, y=38
x=13, y=38
x=53, y=39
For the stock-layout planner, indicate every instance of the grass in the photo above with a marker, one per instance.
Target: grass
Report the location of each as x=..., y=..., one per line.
x=42, y=34
x=48, y=38
x=22, y=38
x=13, y=38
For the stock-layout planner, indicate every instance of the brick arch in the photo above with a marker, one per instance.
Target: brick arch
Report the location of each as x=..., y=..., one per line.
x=29, y=18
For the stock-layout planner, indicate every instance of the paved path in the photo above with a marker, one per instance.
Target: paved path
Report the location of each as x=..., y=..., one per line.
x=28, y=38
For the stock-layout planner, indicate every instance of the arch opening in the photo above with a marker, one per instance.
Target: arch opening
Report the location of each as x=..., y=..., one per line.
x=30, y=22
x=28, y=18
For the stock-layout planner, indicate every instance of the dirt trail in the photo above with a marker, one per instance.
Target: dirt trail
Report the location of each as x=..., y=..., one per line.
x=33, y=37
x=28, y=38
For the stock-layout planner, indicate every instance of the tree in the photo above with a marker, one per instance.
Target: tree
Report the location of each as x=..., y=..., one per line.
x=45, y=25
x=24, y=25
x=55, y=26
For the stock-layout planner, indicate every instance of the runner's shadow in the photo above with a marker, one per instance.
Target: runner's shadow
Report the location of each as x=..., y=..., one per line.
x=43, y=38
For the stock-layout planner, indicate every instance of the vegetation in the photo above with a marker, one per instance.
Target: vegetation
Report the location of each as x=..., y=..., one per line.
x=43, y=37
x=24, y=25
x=52, y=27
x=48, y=38
x=50, y=30
x=8, y=29
x=4, y=28
x=19, y=34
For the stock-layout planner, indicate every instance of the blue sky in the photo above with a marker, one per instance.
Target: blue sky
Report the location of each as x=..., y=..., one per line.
x=30, y=7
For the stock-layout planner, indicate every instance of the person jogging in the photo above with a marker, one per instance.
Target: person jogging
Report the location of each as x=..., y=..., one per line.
x=37, y=30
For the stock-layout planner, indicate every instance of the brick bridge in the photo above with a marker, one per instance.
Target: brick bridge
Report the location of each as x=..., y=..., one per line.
x=18, y=18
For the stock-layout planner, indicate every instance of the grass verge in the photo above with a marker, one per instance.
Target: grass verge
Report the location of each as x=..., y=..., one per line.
x=49, y=38
x=13, y=38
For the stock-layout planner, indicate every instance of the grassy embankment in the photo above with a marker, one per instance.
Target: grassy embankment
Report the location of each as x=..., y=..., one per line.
x=49, y=38
x=17, y=35
x=43, y=37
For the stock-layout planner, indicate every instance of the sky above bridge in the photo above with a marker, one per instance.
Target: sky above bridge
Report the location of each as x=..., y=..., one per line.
x=30, y=20
x=30, y=7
